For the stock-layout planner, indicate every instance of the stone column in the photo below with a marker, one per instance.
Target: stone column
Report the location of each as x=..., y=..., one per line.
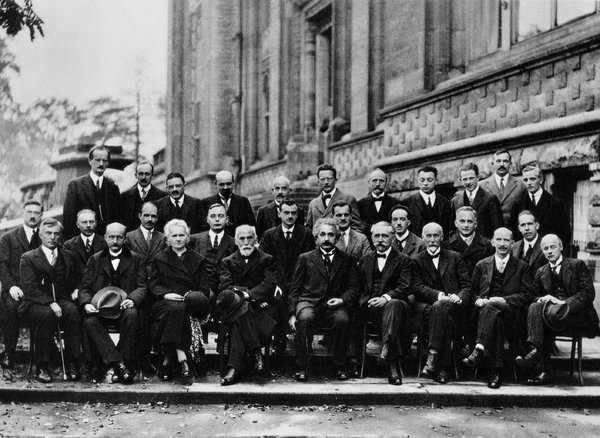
x=309, y=81
x=360, y=65
x=593, y=241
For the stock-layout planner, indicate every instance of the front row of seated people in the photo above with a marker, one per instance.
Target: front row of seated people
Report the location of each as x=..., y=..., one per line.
x=388, y=289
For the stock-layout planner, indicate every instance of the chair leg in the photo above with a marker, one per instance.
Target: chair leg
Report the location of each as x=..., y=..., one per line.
x=222, y=364
x=31, y=351
x=419, y=353
x=572, y=361
x=580, y=359
x=364, y=351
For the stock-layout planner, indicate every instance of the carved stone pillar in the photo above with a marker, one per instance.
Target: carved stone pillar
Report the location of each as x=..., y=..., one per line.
x=309, y=80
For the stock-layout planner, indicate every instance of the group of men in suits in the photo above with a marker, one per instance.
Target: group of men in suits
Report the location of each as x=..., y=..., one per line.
x=448, y=270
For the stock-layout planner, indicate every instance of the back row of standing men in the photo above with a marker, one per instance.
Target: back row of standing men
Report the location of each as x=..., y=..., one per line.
x=495, y=203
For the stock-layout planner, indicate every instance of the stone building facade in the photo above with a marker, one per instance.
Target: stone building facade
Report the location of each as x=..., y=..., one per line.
x=269, y=87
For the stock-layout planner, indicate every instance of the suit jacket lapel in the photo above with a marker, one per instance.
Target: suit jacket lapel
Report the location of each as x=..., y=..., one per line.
x=536, y=253
x=493, y=187
x=124, y=263
x=185, y=207
x=88, y=188
x=388, y=268
x=545, y=276
x=478, y=199
x=510, y=269
x=22, y=238
x=273, y=212
x=369, y=266
x=511, y=184
x=253, y=260
x=106, y=264
x=42, y=262
x=336, y=264
x=79, y=247
x=319, y=263
x=222, y=246
x=443, y=263
x=566, y=272
x=334, y=198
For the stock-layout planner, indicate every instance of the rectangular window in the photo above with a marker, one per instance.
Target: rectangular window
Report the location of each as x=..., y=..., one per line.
x=532, y=17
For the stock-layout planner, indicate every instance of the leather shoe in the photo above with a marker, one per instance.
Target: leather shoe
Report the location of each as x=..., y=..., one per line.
x=300, y=376
x=394, y=378
x=475, y=358
x=123, y=373
x=184, y=369
x=7, y=361
x=259, y=365
x=148, y=368
x=230, y=378
x=353, y=368
x=73, y=372
x=442, y=377
x=530, y=360
x=542, y=378
x=495, y=381
x=95, y=373
x=430, y=367
x=42, y=375
x=341, y=375
x=382, y=359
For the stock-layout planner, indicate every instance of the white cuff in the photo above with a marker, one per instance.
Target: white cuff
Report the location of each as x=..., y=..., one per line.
x=440, y=295
x=387, y=297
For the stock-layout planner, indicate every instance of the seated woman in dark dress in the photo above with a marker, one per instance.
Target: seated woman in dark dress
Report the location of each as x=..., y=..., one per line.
x=179, y=282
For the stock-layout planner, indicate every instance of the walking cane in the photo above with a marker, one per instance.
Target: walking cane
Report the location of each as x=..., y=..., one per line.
x=60, y=343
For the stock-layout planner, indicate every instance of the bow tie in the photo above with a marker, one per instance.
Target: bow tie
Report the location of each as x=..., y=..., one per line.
x=114, y=257
x=381, y=256
x=246, y=257
x=434, y=256
x=328, y=196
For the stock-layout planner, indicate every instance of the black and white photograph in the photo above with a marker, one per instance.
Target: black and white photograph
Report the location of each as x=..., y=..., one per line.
x=299, y=218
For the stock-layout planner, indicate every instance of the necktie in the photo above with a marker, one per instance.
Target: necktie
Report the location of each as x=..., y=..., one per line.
x=35, y=239
x=53, y=258
x=88, y=245
x=149, y=237
x=527, y=254
x=502, y=187
x=401, y=245
x=554, y=269
x=533, y=200
x=326, y=199
x=327, y=260
x=216, y=242
x=143, y=194
x=288, y=235
x=343, y=236
x=98, y=184
x=429, y=203
x=177, y=204
x=501, y=267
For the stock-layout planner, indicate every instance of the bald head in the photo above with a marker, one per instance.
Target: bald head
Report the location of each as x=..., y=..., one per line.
x=502, y=241
x=280, y=188
x=382, y=234
x=377, y=182
x=224, y=182
x=551, y=246
x=433, y=234
x=115, y=236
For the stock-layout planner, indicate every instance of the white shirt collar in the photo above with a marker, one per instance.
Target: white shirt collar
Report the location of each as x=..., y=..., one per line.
x=285, y=230
x=558, y=262
x=403, y=237
x=425, y=196
x=437, y=251
x=386, y=252
x=145, y=232
x=473, y=193
x=498, y=178
x=114, y=254
x=499, y=260
x=180, y=200
x=28, y=231
x=330, y=193
x=84, y=238
x=378, y=198
x=212, y=235
x=532, y=243
x=467, y=240
x=96, y=178
x=147, y=188
x=48, y=252
x=537, y=194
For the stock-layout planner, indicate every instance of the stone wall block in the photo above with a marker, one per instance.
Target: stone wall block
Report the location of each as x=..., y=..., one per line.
x=575, y=91
x=549, y=97
x=482, y=115
x=525, y=78
x=473, y=106
x=402, y=117
x=548, y=70
x=396, y=128
x=447, y=125
x=431, y=108
x=535, y=88
x=503, y=110
x=492, y=100
x=590, y=72
x=537, y=115
x=455, y=110
x=503, y=84
x=514, y=94
x=416, y=134
x=402, y=137
x=440, y=116
x=431, y=129
x=514, y=121
x=589, y=103
x=423, y=120
x=465, y=121
x=561, y=109
x=574, y=63
x=562, y=79
x=525, y=104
